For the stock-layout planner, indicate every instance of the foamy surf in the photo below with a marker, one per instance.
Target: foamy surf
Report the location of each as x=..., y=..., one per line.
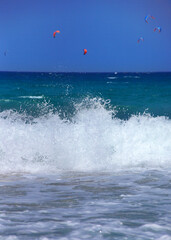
x=32, y=97
x=93, y=140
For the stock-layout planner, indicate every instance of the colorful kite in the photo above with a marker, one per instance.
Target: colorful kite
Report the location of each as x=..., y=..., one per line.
x=157, y=29
x=147, y=17
x=54, y=34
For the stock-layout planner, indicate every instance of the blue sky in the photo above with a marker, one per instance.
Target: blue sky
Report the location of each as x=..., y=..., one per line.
x=108, y=29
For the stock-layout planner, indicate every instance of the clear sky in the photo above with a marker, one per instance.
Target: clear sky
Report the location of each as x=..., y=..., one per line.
x=108, y=29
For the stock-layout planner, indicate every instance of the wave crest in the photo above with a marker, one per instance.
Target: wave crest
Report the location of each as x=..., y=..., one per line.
x=94, y=140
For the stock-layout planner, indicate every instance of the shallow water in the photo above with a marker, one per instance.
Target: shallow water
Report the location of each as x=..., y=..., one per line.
x=76, y=205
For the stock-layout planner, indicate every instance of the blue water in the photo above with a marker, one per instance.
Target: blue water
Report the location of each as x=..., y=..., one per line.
x=85, y=156
x=129, y=93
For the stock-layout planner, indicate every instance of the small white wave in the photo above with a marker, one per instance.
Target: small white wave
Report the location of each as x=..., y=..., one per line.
x=131, y=77
x=110, y=82
x=32, y=97
x=164, y=237
x=5, y=100
x=112, y=77
x=155, y=227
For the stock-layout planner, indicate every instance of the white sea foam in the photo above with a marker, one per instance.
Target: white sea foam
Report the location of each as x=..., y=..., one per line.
x=32, y=97
x=5, y=100
x=155, y=227
x=93, y=141
x=165, y=237
x=131, y=77
x=112, y=77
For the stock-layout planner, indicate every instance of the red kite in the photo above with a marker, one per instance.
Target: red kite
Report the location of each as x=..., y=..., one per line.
x=54, y=34
x=85, y=51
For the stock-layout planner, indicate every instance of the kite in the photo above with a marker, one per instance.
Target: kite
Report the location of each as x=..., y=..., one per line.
x=140, y=39
x=85, y=51
x=157, y=29
x=54, y=34
x=147, y=17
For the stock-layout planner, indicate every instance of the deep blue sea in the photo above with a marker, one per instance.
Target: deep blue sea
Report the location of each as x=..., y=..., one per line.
x=85, y=156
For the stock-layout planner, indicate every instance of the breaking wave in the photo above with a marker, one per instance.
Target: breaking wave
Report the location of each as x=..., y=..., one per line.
x=93, y=140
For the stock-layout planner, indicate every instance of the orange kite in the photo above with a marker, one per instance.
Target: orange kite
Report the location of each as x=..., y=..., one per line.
x=85, y=51
x=54, y=34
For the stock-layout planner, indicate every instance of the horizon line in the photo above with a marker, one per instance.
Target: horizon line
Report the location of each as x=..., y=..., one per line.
x=115, y=72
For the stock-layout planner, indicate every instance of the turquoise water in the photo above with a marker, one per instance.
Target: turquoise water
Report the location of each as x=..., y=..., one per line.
x=129, y=93
x=85, y=156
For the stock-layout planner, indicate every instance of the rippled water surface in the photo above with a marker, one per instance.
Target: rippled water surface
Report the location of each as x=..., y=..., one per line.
x=70, y=205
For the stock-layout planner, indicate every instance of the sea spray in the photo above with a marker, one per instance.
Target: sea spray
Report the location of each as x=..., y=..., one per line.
x=94, y=140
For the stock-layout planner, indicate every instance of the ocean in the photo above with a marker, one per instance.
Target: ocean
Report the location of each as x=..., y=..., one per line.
x=85, y=156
